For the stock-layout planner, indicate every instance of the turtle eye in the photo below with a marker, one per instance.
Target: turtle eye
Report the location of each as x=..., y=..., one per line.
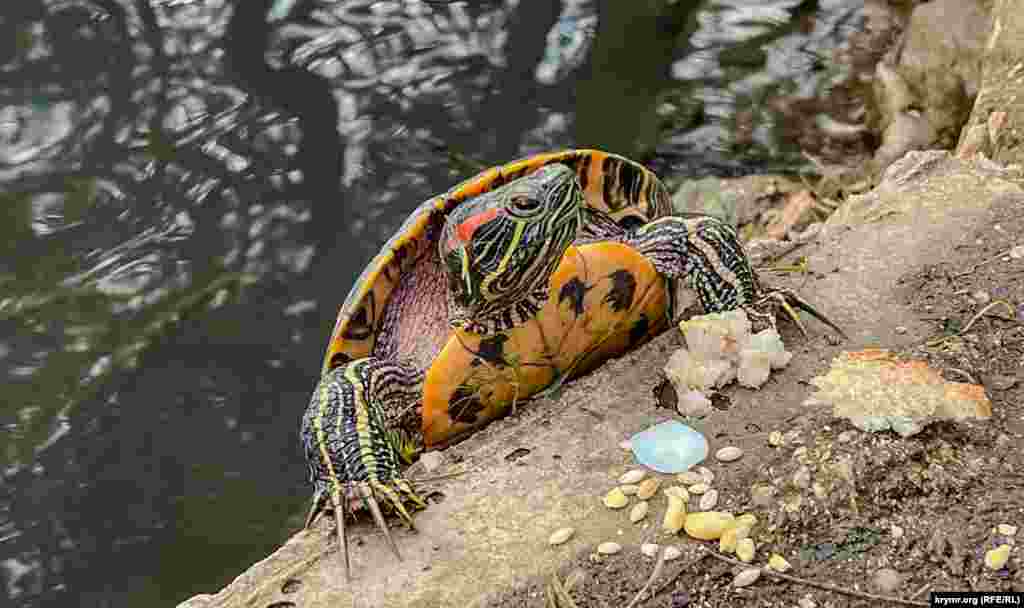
x=524, y=204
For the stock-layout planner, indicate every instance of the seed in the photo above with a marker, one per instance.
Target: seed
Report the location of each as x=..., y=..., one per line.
x=629, y=489
x=649, y=549
x=778, y=563
x=615, y=499
x=729, y=453
x=634, y=476
x=690, y=477
x=747, y=519
x=1006, y=529
x=679, y=491
x=708, y=525
x=745, y=549
x=747, y=577
x=560, y=536
x=675, y=515
x=732, y=535
x=647, y=488
x=996, y=558
x=706, y=475
x=775, y=439
x=672, y=553
x=709, y=500
x=638, y=512
x=609, y=548
x=698, y=488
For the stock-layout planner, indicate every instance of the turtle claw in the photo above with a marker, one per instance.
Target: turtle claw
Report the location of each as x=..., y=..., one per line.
x=339, y=517
x=789, y=301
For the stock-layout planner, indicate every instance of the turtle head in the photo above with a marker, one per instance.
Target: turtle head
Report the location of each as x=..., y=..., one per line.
x=501, y=248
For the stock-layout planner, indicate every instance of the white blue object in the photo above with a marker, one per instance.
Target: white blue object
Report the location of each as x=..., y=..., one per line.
x=669, y=447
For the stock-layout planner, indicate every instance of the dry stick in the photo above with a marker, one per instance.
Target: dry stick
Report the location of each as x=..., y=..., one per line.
x=693, y=562
x=982, y=312
x=654, y=575
x=923, y=588
x=982, y=263
x=810, y=583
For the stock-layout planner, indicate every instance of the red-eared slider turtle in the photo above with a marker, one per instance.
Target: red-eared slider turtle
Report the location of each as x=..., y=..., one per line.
x=519, y=278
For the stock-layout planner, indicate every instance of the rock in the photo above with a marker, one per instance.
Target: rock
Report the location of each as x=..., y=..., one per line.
x=729, y=453
x=745, y=549
x=672, y=553
x=1006, y=529
x=775, y=439
x=778, y=563
x=650, y=549
x=708, y=525
x=560, y=535
x=609, y=548
x=648, y=488
x=996, y=558
x=807, y=602
x=632, y=477
x=708, y=500
x=669, y=447
x=615, y=499
x=747, y=577
x=638, y=512
x=888, y=581
x=431, y=461
x=896, y=531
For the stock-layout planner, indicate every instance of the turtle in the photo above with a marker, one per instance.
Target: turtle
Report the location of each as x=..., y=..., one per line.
x=511, y=283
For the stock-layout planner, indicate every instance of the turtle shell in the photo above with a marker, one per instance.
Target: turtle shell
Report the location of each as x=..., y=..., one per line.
x=612, y=185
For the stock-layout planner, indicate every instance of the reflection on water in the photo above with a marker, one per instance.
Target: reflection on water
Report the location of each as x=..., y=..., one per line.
x=189, y=189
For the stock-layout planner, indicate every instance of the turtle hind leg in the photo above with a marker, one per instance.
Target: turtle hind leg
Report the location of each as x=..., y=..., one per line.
x=348, y=435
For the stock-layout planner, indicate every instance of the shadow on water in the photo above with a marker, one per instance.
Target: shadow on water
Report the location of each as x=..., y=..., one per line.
x=189, y=188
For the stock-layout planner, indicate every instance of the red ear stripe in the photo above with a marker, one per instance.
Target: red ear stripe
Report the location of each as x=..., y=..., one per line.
x=465, y=230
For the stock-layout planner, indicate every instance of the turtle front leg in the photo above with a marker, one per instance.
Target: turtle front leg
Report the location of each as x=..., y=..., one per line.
x=706, y=252
x=354, y=438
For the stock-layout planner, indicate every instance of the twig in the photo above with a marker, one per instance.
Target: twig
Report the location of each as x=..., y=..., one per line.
x=982, y=263
x=810, y=583
x=969, y=377
x=687, y=566
x=439, y=477
x=654, y=575
x=923, y=588
x=982, y=312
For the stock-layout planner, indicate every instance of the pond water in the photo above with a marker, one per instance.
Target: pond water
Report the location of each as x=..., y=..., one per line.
x=190, y=187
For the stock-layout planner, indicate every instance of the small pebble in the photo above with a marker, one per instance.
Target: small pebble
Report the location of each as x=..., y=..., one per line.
x=900, y=330
x=847, y=436
x=896, y=531
x=431, y=461
x=745, y=549
x=672, y=553
x=708, y=525
x=981, y=296
x=648, y=488
x=1017, y=252
x=650, y=549
x=629, y=489
x=747, y=577
x=638, y=512
x=560, y=536
x=615, y=499
x=888, y=580
x=807, y=602
x=698, y=488
x=690, y=477
x=706, y=474
x=778, y=563
x=1006, y=529
x=996, y=558
x=709, y=500
x=634, y=476
x=802, y=477
x=775, y=439
x=609, y=548
x=729, y=453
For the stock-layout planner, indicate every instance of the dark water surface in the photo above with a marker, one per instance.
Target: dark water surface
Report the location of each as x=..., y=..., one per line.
x=188, y=191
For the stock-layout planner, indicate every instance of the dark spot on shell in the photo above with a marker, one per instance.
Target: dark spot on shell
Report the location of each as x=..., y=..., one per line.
x=464, y=405
x=720, y=402
x=281, y=605
x=338, y=359
x=640, y=328
x=573, y=290
x=435, y=497
x=291, y=585
x=359, y=325
x=492, y=350
x=631, y=222
x=620, y=297
x=516, y=454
